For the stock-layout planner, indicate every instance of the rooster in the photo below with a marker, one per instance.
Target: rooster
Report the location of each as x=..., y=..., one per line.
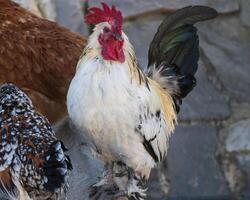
x=127, y=114
x=32, y=161
x=39, y=57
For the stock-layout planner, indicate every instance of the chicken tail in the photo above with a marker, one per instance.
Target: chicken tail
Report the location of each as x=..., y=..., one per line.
x=174, y=51
x=56, y=167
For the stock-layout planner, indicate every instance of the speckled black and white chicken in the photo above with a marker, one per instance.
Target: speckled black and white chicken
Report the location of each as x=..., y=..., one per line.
x=33, y=165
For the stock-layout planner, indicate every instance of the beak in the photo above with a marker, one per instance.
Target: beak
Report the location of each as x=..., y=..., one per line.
x=117, y=36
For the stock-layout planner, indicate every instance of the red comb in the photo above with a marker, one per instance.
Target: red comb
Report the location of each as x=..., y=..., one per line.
x=111, y=15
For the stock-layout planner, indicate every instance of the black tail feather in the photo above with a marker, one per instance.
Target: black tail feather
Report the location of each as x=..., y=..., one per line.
x=174, y=51
x=56, y=167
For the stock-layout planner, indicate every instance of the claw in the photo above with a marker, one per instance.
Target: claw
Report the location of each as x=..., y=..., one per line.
x=118, y=182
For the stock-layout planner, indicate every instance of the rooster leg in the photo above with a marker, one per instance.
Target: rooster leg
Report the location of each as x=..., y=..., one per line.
x=130, y=186
x=136, y=186
x=117, y=183
x=106, y=188
x=120, y=170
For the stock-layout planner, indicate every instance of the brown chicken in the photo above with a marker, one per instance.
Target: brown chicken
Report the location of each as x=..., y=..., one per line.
x=38, y=56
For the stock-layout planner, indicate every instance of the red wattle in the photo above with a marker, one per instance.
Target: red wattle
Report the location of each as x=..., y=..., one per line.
x=112, y=49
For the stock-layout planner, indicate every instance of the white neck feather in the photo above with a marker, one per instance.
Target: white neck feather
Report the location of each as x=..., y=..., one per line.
x=93, y=49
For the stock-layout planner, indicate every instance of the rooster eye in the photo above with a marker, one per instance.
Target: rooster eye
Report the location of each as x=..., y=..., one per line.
x=106, y=30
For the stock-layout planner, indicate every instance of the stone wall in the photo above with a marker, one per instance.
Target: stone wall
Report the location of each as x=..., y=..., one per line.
x=41, y=8
x=209, y=154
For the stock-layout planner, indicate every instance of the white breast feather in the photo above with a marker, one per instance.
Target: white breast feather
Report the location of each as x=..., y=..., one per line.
x=104, y=103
